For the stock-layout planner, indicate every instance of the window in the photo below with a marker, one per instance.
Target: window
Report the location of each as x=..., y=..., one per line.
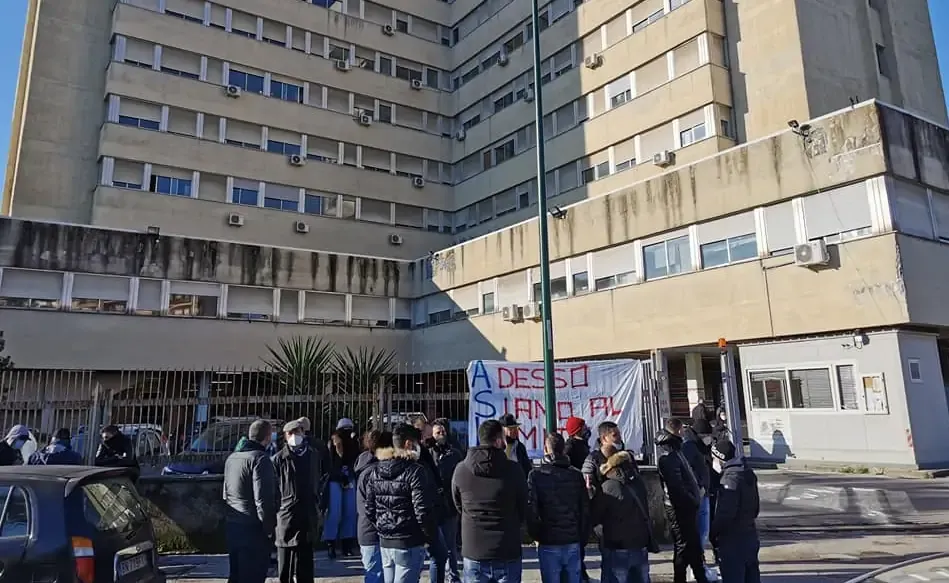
x=594, y=173
x=431, y=78
x=385, y=65
x=244, y=196
x=847, y=387
x=249, y=303
x=286, y=91
x=15, y=515
x=197, y=300
x=581, y=283
x=99, y=293
x=385, y=113
x=667, y=258
x=727, y=128
x=401, y=25
x=26, y=288
x=811, y=389
x=112, y=506
x=145, y=124
x=471, y=122
x=487, y=303
x=558, y=289
x=730, y=250
x=281, y=204
x=504, y=152
x=768, y=389
x=284, y=148
x=313, y=204
x=693, y=134
x=612, y=281
x=168, y=185
x=246, y=81
x=439, y=317
x=881, y=60
x=505, y=100
x=915, y=371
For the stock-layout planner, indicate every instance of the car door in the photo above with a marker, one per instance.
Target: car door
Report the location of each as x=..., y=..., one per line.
x=15, y=517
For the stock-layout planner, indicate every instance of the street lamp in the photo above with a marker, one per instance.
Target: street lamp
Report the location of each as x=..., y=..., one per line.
x=550, y=396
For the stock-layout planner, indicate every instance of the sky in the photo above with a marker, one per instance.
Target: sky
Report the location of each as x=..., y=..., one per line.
x=11, y=39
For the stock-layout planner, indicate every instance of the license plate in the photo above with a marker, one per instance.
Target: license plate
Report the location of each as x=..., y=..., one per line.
x=131, y=565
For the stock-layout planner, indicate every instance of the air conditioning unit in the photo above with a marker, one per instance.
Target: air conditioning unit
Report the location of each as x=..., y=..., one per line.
x=364, y=119
x=531, y=311
x=301, y=227
x=233, y=91
x=460, y=135
x=388, y=29
x=511, y=313
x=593, y=61
x=416, y=84
x=418, y=181
x=503, y=59
x=529, y=95
x=664, y=158
x=811, y=254
x=296, y=160
x=395, y=239
x=342, y=65
x=235, y=219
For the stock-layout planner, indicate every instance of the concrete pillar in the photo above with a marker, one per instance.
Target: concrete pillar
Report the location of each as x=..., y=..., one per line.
x=695, y=381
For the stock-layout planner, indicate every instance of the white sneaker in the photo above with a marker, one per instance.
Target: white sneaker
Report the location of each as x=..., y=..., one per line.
x=711, y=573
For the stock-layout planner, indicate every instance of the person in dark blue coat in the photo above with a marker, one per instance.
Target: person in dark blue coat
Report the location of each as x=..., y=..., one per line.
x=59, y=452
x=733, y=534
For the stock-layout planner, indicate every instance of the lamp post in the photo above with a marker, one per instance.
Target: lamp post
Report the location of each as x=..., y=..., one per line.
x=550, y=396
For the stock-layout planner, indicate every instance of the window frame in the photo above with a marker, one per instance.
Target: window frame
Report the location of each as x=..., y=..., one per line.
x=785, y=370
x=665, y=245
x=5, y=507
x=728, y=251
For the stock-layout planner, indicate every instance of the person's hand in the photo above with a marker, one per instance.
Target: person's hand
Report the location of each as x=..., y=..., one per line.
x=701, y=492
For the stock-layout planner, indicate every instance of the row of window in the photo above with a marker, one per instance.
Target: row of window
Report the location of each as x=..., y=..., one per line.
x=109, y=294
x=832, y=388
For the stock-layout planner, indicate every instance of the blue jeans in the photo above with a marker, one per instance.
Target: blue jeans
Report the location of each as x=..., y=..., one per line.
x=491, y=571
x=624, y=566
x=705, y=516
x=371, y=563
x=402, y=565
x=340, y=520
x=559, y=563
x=443, y=552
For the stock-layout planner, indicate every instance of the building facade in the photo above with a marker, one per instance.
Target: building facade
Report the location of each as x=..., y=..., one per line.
x=191, y=181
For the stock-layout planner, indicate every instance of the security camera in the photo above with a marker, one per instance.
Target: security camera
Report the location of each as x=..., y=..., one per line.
x=558, y=213
x=793, y=124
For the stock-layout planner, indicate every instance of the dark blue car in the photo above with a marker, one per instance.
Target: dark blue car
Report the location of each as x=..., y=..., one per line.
x=207, y=453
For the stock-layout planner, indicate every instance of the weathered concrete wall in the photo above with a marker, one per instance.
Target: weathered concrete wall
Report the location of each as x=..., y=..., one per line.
x=188, y=513
x=88, y=249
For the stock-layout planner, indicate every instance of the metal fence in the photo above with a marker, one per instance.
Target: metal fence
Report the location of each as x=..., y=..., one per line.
x=188, y=421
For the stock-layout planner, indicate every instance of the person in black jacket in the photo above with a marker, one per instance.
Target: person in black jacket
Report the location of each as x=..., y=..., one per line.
x=59, y=452
x=609, y=437
x=11, y=445
x=733, y=533
x=682, y=503
x=577, y=447
x=299, y=470
x=116, y=450
x=558, y=513
x=338, y=497
x=250, y=494
x=400, y=499
x=366, y=533
x=446, y=458
x=720, y=425
x=621, y=516
x=514, y=448
x=490, y=493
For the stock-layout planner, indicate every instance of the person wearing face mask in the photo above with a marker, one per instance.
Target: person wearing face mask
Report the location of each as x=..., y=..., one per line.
x=720, y=426
x=250, y=494
x=366, y=534
x=298, y=469
x=338, y=498
x=609, y=438
x=733, y=533
x=446, y=457
x=577, y=446
x=12, y=444
x=696, y=447
x=116, y=450
x=514, y=448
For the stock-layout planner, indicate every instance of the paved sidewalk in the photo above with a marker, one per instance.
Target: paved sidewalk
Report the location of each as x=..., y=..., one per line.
x=786, y=558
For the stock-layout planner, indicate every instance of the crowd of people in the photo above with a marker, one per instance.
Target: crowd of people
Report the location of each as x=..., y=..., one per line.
x=115, y=449
x=409, y=495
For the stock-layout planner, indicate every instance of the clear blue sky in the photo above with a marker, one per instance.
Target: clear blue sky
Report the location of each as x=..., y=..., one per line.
x=11, y=38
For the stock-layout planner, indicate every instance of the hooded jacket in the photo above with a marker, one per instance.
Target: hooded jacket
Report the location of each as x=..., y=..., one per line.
x=621, y=510
x=678, y=480
x=366, y=534
x=738, y=504
x=697, y=454
x=117, y=452
x=490, y=493
x=250, y=489
x=558, y=507
x=400, y=499
x=59, y=453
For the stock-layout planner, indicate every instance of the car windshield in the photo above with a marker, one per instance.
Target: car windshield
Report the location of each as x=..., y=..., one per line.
x=113, y=506
x=220, y=437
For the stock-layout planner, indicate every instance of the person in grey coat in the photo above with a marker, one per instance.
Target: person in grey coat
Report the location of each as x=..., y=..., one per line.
x=250, y=493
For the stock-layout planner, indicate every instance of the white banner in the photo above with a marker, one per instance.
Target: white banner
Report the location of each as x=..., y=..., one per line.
x=595, y=391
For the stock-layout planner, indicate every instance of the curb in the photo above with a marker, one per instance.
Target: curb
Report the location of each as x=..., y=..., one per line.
x=920, y=528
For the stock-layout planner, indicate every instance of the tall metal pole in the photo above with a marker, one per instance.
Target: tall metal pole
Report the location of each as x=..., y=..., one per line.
x=550, y=396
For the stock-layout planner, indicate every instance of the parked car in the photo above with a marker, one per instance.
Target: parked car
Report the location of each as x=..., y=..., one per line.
x=74, y=523
x=206, y=454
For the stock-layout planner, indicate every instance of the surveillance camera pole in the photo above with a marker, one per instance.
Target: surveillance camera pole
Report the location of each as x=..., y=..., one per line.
x=550, y=396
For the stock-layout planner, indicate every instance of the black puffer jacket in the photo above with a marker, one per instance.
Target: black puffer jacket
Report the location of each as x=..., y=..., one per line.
x=682, y=490
x=738, y=504
x=621, y=510
x=577, y=450
x=399, y=500
x=366, y=533
x=558, y=506
x=490, y=492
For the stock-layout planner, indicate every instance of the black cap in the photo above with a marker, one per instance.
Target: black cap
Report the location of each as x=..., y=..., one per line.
x=702, y=427
x=62, y=434
x=724, y=450
x=508, y=420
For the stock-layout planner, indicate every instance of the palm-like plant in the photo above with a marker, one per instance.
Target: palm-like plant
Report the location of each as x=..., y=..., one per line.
x=359, y=372
x=300, y=365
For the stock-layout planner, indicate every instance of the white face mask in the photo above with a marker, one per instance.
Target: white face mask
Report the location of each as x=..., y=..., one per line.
x=717, y=465
x=295, y=440
x=707, y=439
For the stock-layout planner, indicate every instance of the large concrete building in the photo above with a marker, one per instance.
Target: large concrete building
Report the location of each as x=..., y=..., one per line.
x=189, y=181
